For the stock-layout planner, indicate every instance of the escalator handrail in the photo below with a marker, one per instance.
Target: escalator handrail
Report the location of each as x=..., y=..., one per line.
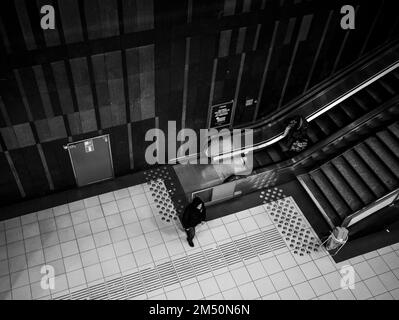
x=296, y=161
x=311, y=117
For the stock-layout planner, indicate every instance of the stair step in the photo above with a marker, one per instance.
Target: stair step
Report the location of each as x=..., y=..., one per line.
x=385, y=155
x=330, y=215
x=364, y=172
x=331, y=194
x=376, y=166
x=342, y=187
x=389, y=140
x=351, y=177
x=394, y=129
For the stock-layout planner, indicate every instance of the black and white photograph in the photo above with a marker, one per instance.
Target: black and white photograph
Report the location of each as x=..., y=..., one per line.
x=199, y=156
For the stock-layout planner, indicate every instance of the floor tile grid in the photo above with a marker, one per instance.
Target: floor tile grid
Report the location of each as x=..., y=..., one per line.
x=395, y=253
x=323, y=253
x=195, y=269
x=60, y=229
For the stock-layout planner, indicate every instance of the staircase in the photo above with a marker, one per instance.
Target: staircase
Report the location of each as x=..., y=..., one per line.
x=356, y=178
x=353, y=108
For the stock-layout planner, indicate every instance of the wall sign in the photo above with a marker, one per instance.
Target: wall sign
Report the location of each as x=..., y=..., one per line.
x=221, y=115
x=89, y=146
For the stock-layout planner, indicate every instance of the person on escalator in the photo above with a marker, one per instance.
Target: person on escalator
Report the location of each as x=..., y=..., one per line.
x=296, y=139
x=194, y=214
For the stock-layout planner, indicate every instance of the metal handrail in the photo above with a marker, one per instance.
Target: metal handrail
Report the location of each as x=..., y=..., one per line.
x=311, y=117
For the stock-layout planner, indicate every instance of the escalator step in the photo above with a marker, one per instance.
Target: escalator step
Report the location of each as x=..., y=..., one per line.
x=376, y=95
x=339, y=117
x=330, y=214
x=274, y=154
x=395, y=74
x=339, y=183
x=387, y=86
x=365, y=173
x=262, y=158
x=377, y=166
x=389, y=140
x=313, y=134
x=351, y=109
x=394, y=128
x=351, y=177
x=326, y=125
x=363, y=103
x=331, y=194
x=384, y=154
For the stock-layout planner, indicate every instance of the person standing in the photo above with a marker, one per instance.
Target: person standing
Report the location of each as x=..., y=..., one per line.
x=193, y=215
x=296, y=139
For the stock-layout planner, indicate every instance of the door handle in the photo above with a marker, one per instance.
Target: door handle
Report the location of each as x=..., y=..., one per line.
x=72, y=146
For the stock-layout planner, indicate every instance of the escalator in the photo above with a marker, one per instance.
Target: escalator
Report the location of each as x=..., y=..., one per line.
x=357, y=177
x=335, y=119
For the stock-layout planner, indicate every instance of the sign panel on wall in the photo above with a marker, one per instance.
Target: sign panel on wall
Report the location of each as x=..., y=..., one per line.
x=221, y=115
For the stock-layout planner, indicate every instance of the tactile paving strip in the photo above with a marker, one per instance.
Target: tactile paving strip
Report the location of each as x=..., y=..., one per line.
x=293, y=226
x=262, y=180
x=162, y=190
x=271, y=194
x=183, y=268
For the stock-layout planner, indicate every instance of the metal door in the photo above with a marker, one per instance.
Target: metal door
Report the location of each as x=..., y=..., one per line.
x=91, y=160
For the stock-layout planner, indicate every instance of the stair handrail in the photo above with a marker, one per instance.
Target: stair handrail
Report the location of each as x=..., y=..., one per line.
x=373, y=207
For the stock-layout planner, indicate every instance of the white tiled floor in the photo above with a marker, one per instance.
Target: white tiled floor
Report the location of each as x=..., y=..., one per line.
x=120, y=233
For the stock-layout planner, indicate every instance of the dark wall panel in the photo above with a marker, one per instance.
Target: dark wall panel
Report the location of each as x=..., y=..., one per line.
x=120, y=149
x=357, y=37
x=250, y=86
x=305, y=57
x=59, y=164
x=270, y=89
x=102, y=18
x=330, y=50
x=71, y=24
x=81, y=80
x=30, y=171
x=112, y=64
x=62, y=85
x=226, y=79
x=139, y=144
x=13, y=103
x=8, y=188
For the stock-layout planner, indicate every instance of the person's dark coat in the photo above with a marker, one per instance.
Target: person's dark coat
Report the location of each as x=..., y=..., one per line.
x=297, y=139
x=192, y=216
